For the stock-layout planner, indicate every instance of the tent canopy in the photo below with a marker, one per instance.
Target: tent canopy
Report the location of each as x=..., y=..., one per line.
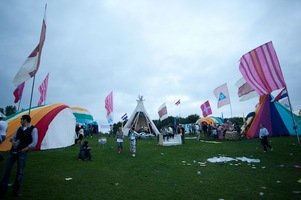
x=209, y=120
x=82, y=115
x=275, y=117
x=55, y=124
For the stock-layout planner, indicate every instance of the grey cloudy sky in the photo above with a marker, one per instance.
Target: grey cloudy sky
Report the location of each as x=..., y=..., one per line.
x=164, y=50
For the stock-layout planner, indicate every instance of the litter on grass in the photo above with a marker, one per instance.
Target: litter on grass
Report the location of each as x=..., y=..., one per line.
x=227, y=159
x=68, y=179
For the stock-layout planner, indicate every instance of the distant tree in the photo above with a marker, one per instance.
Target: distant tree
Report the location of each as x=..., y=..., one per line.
x=9, y=110
x=116, y=125
x=2, y=110
x=192, y=118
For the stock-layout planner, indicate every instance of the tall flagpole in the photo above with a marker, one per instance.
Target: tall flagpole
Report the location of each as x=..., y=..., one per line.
x=19, y=103
x=294, y=123
x=179, y=112
x=42, y=38
x=231, y=109
x=34, y=77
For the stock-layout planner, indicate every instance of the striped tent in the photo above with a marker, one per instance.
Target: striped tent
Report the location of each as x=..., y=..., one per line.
x=55, y=124
x=209, y=120
x=82, y=115
x=275, y=117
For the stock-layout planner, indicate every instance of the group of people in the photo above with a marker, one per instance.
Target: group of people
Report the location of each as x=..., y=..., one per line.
x=170, y=131
x=133, y=135
x=218, y=131
x=26, y=138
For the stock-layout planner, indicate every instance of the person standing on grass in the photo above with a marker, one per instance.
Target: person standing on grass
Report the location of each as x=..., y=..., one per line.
x=132, y=137
x=3, y=129
x=181, y=131
x=24, y=140
x=119, y=139
x=263, y=135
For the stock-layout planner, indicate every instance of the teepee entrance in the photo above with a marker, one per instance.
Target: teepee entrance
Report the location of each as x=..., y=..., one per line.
x=140, y=120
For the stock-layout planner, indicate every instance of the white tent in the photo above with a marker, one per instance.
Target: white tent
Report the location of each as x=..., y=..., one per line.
x=55, y=124
x=140, y=118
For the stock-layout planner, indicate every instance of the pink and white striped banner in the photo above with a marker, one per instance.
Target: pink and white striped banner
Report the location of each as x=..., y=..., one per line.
x=261, y=69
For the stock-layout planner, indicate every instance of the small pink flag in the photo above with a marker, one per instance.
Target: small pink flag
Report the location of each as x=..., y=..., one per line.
x=43, y=90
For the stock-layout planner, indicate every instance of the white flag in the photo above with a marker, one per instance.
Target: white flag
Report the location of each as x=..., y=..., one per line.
x=222, y=95
x=245, y=91
x=32, y=63
x=162, y=111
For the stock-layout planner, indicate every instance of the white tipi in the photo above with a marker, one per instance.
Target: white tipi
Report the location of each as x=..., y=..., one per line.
x=140, y=118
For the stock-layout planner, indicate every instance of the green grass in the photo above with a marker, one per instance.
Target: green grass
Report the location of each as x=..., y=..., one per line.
x=159, y=172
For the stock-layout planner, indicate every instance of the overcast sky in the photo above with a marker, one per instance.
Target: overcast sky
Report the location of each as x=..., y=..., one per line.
x=164, y=50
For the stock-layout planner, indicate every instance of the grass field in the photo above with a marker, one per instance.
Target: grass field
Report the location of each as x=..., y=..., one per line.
x=159, y=172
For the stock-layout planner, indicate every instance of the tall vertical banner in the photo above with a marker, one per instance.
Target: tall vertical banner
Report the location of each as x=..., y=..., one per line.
x=109, y=107
x=261, y=69
x=32, y=63
x=206, y=109
x=18, y=92
x=162, y=111
x=43, y=90
x=222, y=95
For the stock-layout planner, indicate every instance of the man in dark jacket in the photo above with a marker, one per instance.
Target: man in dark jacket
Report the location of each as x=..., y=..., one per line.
x=25, y=139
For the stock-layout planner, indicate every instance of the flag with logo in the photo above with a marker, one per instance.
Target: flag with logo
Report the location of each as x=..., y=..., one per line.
x=206, y=109
x=109, y=107
x=245, y=91
x=178, y=102
x=124, y=117
x=222, y=95
x=43, y=90
x=18, y=92
x=261, y=69
x=162, y=111
x=32, y=63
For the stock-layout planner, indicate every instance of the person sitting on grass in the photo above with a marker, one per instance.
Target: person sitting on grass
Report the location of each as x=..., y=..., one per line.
x=85, y=152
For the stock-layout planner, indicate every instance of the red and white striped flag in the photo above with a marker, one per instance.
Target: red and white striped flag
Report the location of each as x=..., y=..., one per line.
x=18, y=92
x=109, y=107
x=162, y=111
x=261, y=69
x=245, y=91
x=43, y=90
x=206, y=109
x=178, y=102
x=32, y=63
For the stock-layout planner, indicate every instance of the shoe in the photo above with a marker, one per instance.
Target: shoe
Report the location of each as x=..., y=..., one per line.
x=133, y=155
x=271, y=149
x=264, y=151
